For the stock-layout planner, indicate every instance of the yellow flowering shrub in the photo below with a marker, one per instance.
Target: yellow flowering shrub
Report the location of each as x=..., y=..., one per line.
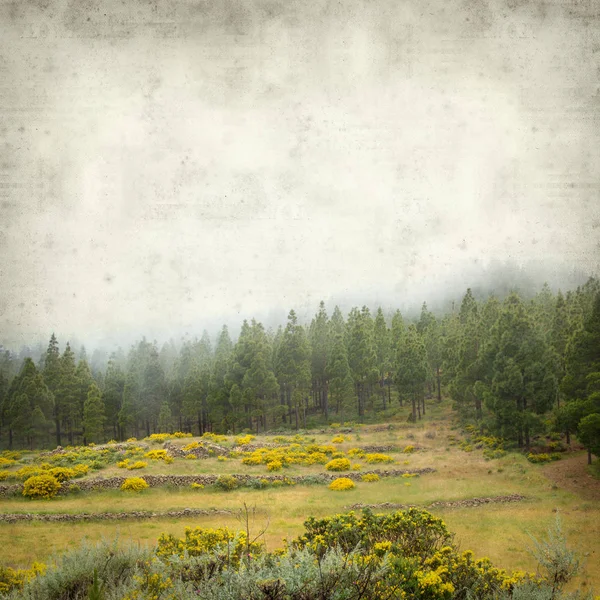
x=192, y=446
x=62, y=474
x=342, y=484
x=134, y=484
x=227, y=482
x=324, y=448
x=358, y=452
x=181, y=434
x=135, y=451
x=214, y=437
x=221, y=458
x=356, y=466
x=132, y=439
x=408, y=449
x=4, y=475
x=377, y=457
x=338, y=439
x=244, y=439
x=41, y=486
x=222, y=542
x=6, y=462
x=138, y=464
x=370, y=477
x=81, y=470
x=274, y=465
x=158, y=438
x=197, y=486
x=191, y=457
x=14, y=579
x=11, y=454
x=156, y=455
x=316, y=458
x=338, y=464
x=30, y=471
x=253, y=459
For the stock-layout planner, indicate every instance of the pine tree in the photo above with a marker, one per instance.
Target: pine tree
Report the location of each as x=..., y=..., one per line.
x=470, y=368
x=293, y=367
x=68, y=392
x=52, y=376
x=93, y=415
x=589, y=434
x=114, y=384
x=340, y=376
x=522, y=383
x=559, y=339
x=361, y=354
x=411, y=368
x=260, y=385
x=28, y=396
x=320, y=345
x=382, y=341
x=218, y=398
x=164, y=418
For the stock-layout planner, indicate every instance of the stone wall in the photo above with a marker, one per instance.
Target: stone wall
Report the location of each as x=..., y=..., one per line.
x=112, y=483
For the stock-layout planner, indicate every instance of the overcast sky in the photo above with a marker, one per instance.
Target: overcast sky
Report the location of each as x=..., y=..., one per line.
x=168, y=164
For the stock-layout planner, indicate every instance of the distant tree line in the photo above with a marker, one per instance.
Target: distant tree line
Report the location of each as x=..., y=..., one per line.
x=518, y=367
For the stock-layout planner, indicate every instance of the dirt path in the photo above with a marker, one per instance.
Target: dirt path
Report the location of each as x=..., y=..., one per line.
x=571, y=474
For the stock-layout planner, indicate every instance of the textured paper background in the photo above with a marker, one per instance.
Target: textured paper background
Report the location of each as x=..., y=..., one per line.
x=167, y=166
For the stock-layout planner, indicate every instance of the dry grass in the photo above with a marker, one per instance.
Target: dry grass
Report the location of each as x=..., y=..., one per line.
x=497, y=531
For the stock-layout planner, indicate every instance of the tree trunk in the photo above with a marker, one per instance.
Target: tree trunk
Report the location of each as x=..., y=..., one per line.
x=478, y=413
x=439, y=384
x=58, y=436
x=526, y=427
x=589, y=457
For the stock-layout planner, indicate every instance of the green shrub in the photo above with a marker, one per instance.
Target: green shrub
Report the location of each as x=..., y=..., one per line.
x=543, y=457
x=227, y=482
x=41, y=486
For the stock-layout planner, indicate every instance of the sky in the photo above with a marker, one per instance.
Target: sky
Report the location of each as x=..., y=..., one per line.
x=168, y=165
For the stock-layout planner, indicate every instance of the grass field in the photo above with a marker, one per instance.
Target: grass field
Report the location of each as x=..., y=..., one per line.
x=499, y=531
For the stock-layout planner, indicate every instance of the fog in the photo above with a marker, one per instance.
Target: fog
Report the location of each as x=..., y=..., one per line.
x=170, y=166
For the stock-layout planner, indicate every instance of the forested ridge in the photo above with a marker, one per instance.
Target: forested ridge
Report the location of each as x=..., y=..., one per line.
x=519, y=367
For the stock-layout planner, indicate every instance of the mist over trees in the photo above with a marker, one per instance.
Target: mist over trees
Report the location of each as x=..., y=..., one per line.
x=519, y=367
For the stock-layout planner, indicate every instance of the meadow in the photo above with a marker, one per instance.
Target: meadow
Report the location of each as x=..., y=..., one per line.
x=498, y=530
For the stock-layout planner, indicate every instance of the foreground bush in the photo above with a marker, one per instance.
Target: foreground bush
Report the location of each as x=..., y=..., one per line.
x=41, y=486
x=397, y=556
